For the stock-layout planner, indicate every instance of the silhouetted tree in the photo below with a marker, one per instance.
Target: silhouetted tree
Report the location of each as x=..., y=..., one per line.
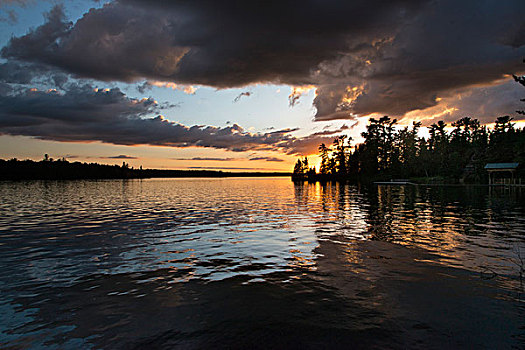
x=325, y=158
x=388, y=152
x=341, y=154
x=298, y=168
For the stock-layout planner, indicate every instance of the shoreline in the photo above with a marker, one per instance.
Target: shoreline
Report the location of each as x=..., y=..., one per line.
x=407, y=182
x=16, y=170
x=191, y=176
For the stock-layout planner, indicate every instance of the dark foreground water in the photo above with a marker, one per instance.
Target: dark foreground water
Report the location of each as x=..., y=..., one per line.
x=259, y=264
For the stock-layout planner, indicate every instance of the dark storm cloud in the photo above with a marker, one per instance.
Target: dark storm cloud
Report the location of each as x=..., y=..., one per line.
x=80, y=105
x=372, y=56
x=82, y=113
x=215, y=43
x=14, y=72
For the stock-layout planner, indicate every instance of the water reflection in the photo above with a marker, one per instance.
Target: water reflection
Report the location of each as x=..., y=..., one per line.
x=258, y=263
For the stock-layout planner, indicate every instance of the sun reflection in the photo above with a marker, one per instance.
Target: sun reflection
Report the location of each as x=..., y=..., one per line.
x=404, y=216
x=436, y=229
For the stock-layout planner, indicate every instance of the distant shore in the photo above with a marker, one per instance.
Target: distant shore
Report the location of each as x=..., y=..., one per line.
x=49, y=169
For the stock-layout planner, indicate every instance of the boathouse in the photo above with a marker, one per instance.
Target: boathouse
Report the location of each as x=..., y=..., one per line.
x=502, y=173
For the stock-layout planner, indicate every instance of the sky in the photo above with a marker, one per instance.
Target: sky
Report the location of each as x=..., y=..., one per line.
x=244, y=86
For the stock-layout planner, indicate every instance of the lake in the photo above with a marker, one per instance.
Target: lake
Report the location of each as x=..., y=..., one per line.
x=259, y=263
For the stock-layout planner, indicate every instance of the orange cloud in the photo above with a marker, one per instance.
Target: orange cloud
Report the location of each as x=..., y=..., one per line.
x=188, y=89
x=297, y=92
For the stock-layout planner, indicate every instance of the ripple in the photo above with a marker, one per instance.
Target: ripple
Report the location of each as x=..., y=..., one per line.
x=182, y=261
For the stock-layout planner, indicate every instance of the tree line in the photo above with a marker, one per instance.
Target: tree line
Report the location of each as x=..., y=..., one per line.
x=389, y=152
x=62, y=169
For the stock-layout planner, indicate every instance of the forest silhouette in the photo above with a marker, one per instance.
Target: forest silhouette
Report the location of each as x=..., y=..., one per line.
x=445, y=156
x=387, y=152
x=62, y=169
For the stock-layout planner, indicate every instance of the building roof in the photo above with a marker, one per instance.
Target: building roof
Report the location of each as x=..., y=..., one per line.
x=494, y=166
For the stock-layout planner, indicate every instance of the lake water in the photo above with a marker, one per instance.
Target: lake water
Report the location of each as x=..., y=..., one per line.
x=259, y=263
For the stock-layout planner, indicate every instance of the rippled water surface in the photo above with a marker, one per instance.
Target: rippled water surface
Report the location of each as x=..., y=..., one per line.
x=259, y=263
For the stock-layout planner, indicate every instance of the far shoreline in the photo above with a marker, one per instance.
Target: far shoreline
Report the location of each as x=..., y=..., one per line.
x=49, y=169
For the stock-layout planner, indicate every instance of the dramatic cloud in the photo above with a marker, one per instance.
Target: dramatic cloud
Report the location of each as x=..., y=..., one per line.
x=483, y=103
x=364, y=57
x=82, y=113
x=12, y=72
x=51, y=114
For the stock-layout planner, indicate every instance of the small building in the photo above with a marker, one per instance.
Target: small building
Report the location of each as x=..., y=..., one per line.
x=502, y=173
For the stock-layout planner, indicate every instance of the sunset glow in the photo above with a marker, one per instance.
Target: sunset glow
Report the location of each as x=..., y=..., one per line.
x=166, y=87
x=270, y=174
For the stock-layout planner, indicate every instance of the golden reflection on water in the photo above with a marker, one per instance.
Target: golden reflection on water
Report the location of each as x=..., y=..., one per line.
x=439, y=220
x=178, y=259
